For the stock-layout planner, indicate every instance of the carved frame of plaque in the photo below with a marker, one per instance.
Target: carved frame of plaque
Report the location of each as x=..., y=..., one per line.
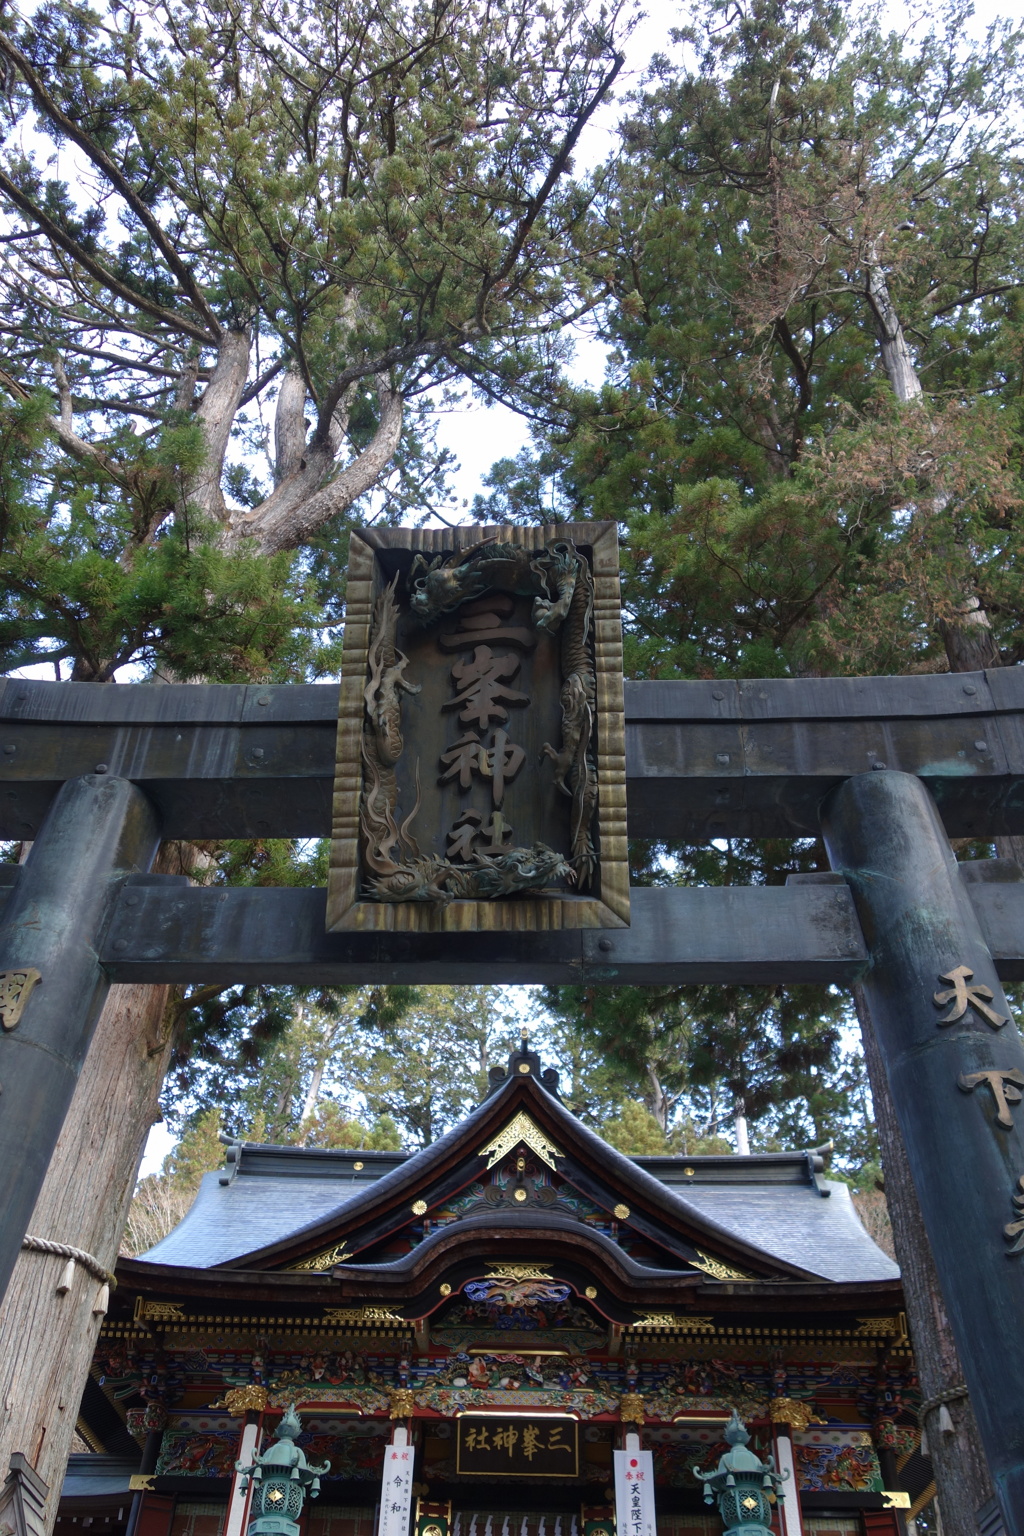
x=381, y=565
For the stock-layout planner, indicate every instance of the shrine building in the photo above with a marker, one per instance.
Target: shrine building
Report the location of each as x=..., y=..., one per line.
x=508, y=1303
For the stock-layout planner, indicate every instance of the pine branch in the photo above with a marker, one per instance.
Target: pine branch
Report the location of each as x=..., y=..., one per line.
x=68, y=127
x=96, y=270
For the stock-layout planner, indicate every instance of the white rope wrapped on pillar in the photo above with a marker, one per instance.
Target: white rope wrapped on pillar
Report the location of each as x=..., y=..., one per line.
x=74, y=1256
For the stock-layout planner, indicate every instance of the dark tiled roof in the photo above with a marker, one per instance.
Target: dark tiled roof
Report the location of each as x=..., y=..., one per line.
x=775, y=1204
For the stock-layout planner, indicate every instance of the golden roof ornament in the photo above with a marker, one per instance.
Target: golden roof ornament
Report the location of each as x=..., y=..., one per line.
x=521, y=1129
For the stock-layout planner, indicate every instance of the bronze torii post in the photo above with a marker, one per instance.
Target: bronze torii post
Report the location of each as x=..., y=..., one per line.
x=955, y=1064
x=97, y=831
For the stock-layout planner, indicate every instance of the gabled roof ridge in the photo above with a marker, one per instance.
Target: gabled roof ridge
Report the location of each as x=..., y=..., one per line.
x=762, y=1218
x=545, y=1107
x=639, y=1159
x=381, y=1188
x=314, y=1151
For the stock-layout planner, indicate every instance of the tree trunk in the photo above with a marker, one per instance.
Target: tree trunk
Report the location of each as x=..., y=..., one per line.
x=290, y=426
x=658, y=1097
x=216, y=414
x=961, y=1471
x=970, y=644
x=309, y=1103
x=976, y=653
x=968, y=639
x=316, y=490
x=739, y=1122
x=897, y=359
x=47, y=1340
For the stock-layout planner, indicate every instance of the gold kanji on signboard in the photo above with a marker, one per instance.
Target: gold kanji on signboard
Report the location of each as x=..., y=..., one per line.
x=480, y=778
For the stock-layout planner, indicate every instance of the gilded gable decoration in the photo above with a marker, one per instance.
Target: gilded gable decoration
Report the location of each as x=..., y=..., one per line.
x=794, y=1412
x=321, y=1261
x=894, y=1328
x=360, y=1317
x=158, y=1311
x=718, y=1269
x=671, y=1322
x=518, y=1272
x=521, y=1129
x=238, y=1401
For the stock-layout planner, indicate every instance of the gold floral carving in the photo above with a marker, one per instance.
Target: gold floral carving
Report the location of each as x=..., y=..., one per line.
x=15, y=990
x=672, y=1321
x=321, y=1261
x=789, y=1410
x=717, y=1269
x=158, y=1311
x=521, y=1129
x=241, y=1400
x=518, y=1272
x=631, y=1408
x=894, y=1328
x=401, y=1403
x=363, y=1317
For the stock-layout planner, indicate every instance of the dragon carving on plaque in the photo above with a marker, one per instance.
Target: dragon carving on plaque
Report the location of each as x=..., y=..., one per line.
x=559, y=581
x=480, y=779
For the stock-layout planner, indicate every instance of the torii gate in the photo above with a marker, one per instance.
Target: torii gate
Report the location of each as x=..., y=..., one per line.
x=886, y=769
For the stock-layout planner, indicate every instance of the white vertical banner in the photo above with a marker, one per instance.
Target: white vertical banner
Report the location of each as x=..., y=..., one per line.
x=789, y=1493
x=239, y=1497
x=634, y=1490
x=396, y=1486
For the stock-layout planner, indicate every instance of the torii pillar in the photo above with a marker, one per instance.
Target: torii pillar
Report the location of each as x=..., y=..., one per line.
x=955, y=1064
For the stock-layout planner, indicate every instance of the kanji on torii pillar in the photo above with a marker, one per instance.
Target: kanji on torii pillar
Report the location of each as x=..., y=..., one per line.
x=955, y=1064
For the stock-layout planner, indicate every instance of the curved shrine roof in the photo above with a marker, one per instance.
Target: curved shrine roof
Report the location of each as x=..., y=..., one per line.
x=775, y=1208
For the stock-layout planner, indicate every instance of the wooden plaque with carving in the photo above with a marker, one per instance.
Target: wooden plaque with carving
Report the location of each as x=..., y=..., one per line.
x=480, y=780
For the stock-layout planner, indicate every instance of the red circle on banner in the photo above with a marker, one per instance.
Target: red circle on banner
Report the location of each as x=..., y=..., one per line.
x=634, y=1462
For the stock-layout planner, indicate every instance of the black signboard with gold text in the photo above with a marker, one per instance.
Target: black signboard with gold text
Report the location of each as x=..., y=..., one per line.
x=515, y=1445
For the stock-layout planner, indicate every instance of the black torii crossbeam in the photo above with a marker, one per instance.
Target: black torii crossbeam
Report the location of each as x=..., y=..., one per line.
x=886, y=768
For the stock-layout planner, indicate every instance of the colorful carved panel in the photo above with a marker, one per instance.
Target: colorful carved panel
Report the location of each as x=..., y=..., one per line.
x=681, y=1449
x=836, y=1460
x=199, y=1445
x=355, y=1450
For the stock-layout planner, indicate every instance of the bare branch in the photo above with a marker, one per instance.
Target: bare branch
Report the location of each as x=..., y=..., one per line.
x=216, y=412
x=292, y=513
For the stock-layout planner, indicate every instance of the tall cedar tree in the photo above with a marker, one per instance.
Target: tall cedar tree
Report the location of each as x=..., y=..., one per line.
x=218, y=216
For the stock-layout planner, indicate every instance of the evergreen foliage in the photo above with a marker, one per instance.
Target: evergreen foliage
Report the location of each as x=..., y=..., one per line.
x=81, y=590
x=222, y=218
x=809, y=433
